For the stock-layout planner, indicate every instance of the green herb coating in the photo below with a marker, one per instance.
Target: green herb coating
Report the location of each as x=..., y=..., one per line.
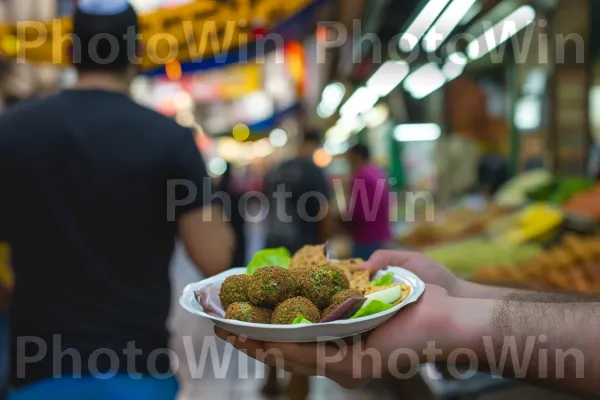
x=320, y=284
x=286, y=312
x=246, y=312
x=270, y=286
x=234, y=290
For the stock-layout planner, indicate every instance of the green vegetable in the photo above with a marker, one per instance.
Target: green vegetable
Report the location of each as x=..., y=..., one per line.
x=385, y=280
x=374, y=307
x=567, y=187
x=301, y=320
x=269, y=257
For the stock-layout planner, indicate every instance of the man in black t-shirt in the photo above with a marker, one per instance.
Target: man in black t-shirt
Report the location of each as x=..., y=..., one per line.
x=92, y=198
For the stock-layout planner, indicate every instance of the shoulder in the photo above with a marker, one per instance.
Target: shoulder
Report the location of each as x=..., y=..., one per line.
x=154, y=118
x=167, y=129
x=26, y=107
x=25, y=116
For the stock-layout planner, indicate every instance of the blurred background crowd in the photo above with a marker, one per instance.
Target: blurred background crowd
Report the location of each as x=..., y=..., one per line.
x=488, y=163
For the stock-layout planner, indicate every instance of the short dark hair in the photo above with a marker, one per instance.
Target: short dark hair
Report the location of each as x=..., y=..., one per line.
x=362, y=151
x=312, y=136
x=103, y=42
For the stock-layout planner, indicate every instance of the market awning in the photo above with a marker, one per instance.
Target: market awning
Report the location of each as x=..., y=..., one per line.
x=202, y=35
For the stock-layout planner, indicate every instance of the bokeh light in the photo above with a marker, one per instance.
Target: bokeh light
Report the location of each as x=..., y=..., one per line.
x=173, y=70
x=278, y=137
x=322, y=159
x=217, y=166
x=241, y=132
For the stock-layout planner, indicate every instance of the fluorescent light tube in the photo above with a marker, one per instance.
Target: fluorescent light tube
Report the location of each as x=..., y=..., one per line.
x=416, y=30
x=417, y=132
x=501, y=32
x=388, y=77
x=444, y=26
x=424, y=81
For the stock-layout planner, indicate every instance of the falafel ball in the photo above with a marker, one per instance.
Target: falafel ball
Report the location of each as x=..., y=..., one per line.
x=289, y=310
x=320, y=284
x=234, y=290
x=246, y=312
x=270, y=286
x=344, y=295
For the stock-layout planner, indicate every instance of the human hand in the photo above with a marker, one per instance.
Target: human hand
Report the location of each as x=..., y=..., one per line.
x=395, y=348
x=428, y=270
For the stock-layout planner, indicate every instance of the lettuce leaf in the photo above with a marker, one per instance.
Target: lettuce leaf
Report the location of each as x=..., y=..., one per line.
x=372, y=308
x=269, y=257
x=301, y=320
x=385, y=280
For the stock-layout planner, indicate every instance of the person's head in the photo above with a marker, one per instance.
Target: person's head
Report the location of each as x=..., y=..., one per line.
x=310, y=143
x=358, y=155
x=106, y=39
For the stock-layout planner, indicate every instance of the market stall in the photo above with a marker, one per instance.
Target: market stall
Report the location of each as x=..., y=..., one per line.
x=540, y=232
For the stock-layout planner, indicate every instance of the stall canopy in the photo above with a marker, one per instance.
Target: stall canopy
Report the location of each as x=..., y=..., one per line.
x=202, y=35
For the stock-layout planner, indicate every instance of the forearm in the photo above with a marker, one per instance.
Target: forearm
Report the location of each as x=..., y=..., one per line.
x=546, y=339
x=466, y=289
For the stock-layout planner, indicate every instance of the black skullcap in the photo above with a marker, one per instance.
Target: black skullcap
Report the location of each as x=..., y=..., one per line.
x=105, y=35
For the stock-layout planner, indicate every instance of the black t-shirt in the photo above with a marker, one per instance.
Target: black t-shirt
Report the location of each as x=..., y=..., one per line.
x=293, y=219
x=84, y=206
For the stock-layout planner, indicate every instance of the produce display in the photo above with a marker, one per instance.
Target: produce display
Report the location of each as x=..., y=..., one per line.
x=515, y=193
x=304, y=289
x=467, y=257
x=560, y=189
x=534, y=222
x=574, y=265
x=458, y=224
x=585, y=204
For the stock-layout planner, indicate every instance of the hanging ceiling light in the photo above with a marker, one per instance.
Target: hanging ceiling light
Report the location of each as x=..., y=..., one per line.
x=332, y=97
x=455, y=65
x=501, y=32
x=416, y=30
x=424, y=81
x=444, y=26
x=361, y=101
x=388, y=77
x=417, y=132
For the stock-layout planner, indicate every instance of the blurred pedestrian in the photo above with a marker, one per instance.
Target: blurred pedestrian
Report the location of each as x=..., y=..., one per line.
x=298, y=193
x=299, y=215
x=91, y=183
x=493, y=172
x=368, y=217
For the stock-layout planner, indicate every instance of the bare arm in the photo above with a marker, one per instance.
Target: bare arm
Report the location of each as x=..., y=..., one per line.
x=476, y=291
x=208, y=239
x=545, y=339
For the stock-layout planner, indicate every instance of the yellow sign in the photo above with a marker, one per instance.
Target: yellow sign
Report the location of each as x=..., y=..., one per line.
x=200, y=30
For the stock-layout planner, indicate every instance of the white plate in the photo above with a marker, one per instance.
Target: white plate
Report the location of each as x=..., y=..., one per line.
x=301, y=333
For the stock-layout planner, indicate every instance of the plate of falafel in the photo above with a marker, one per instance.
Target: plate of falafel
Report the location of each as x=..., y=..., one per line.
x=304, y=298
